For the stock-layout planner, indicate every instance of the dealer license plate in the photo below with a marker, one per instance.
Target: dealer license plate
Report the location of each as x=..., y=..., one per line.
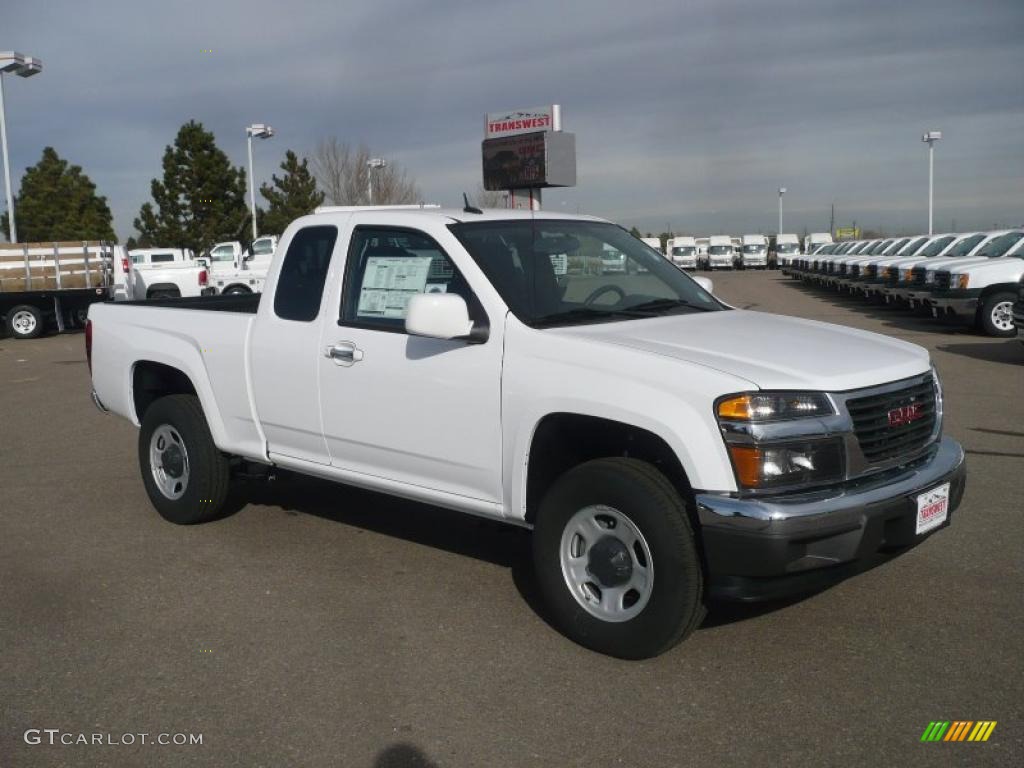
x=932, y=508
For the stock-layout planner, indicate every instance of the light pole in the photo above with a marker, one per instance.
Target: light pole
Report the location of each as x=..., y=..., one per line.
x=782, y=191
x=22, y=66
x=259, y=131
x=930, y=138
x=373, y=162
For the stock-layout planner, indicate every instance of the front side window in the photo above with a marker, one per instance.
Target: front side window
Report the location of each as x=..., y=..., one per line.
x=300, y=285
x=223, y=253
x=517, y=255
x=387, y=267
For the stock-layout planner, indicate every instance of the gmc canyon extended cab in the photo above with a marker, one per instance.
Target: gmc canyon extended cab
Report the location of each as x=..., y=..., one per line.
x=663, y=447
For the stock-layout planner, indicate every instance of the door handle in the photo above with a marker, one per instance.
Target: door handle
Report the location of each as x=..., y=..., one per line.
x=344, y=353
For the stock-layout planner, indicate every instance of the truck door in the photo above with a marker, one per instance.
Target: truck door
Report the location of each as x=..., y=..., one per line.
x=419, y=411
x=285, y=347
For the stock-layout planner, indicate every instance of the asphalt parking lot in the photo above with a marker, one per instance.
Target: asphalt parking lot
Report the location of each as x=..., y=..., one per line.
x=321, y=625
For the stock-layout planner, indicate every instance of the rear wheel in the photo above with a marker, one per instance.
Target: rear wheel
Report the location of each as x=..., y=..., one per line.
x=995, y=315
x=616, y=559
x=186, y=476
x=236, y=290
x=25, y=322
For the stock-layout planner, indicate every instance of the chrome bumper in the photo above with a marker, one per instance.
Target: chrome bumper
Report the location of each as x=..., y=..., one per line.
x=759, y=549
x=966, y=306
x=98, y=403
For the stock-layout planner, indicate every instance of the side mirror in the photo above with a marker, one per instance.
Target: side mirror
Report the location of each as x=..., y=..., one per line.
x=705, y=283
x=438, y=316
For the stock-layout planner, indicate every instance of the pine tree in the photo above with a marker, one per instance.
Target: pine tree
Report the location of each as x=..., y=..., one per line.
x=59, y=202
x=201, y=199
x=290, y=196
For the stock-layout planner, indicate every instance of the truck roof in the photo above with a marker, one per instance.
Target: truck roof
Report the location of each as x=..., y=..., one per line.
x=456, y=214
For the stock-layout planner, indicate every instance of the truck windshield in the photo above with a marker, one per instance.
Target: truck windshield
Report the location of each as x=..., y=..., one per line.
x=517, y=257
x=787, y=248
x=718, y=250
x=965, y=246
x=683, y=250
x=936, y=248
x=998, y=246
x=753, y=249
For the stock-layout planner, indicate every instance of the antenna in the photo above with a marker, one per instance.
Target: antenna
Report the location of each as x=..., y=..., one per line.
x=469, y=208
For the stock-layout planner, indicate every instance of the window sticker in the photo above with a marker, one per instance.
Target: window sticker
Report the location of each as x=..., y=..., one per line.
x=388, y=284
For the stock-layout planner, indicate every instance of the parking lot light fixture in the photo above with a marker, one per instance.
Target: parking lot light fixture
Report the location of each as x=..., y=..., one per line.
x=259, y=131
x=14, y=63
x=371, y=164
x=782, y=191
x=930, y=138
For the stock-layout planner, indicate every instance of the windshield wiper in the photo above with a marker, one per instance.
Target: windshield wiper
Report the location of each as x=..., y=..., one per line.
x=656, y=305
x=582, y=314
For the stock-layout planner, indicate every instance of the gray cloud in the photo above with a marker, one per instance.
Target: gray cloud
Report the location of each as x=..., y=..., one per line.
x=690, y=114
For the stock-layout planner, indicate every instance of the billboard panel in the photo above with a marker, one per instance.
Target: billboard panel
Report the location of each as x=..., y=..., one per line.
x=541, y=159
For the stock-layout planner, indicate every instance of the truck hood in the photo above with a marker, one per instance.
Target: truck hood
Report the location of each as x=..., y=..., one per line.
x=770, y=351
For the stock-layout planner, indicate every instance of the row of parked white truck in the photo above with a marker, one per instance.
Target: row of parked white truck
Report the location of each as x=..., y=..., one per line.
x=727, y=252
x=973, y=276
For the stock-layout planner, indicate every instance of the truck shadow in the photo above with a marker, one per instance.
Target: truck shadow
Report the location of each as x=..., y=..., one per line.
x=893, y=315
x=491, y=541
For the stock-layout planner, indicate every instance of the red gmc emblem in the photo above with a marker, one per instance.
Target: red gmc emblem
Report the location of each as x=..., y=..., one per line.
x=905, y=414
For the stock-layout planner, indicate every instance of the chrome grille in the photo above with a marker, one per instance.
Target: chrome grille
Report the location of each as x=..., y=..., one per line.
x=883, y=441
x=918, y=276
x=942, y=281
x=855, y=270
x=872, y=270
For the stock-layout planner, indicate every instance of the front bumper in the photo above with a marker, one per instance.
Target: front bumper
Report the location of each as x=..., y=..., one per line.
x=959, y=302
x=758, y=549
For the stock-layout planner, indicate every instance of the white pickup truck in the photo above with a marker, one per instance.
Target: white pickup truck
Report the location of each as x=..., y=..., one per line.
x=663, y=447
x=982, y=290
x=236, y=270
x=163, y=273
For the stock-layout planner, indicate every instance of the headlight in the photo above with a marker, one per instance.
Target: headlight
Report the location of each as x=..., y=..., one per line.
x=762, y=407
x=761, y=467
x=959, y=281
x=908, y=275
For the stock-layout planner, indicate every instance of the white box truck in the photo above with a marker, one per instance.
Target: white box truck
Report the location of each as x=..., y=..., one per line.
x=754, y=252
x=683, y=252
x=721, y=252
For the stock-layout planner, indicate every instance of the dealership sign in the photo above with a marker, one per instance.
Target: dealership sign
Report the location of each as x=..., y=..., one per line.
x=515, y=121
x=530, y=161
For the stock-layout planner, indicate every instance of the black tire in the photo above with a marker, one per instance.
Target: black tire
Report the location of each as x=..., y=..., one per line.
x=25, y=322
x=641, y=493
x=207, y=476
x=995, y=311
x=236, y=290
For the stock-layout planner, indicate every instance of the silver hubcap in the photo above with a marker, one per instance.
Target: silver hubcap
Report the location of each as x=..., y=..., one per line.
x=1002, y=316
x=23, y=322
x=168, y=461
x=606, y=563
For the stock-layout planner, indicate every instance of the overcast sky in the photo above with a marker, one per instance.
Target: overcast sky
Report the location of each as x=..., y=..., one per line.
x=689, y=114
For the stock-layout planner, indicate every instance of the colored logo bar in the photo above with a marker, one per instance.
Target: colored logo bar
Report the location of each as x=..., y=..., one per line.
x=958, y=730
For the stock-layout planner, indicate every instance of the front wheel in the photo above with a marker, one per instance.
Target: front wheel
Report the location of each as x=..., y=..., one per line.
x=995, y=315
x=186, y=476
x=616, y=559
x=25, y=322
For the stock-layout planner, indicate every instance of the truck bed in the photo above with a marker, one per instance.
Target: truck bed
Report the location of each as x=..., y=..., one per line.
x=244, y=303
